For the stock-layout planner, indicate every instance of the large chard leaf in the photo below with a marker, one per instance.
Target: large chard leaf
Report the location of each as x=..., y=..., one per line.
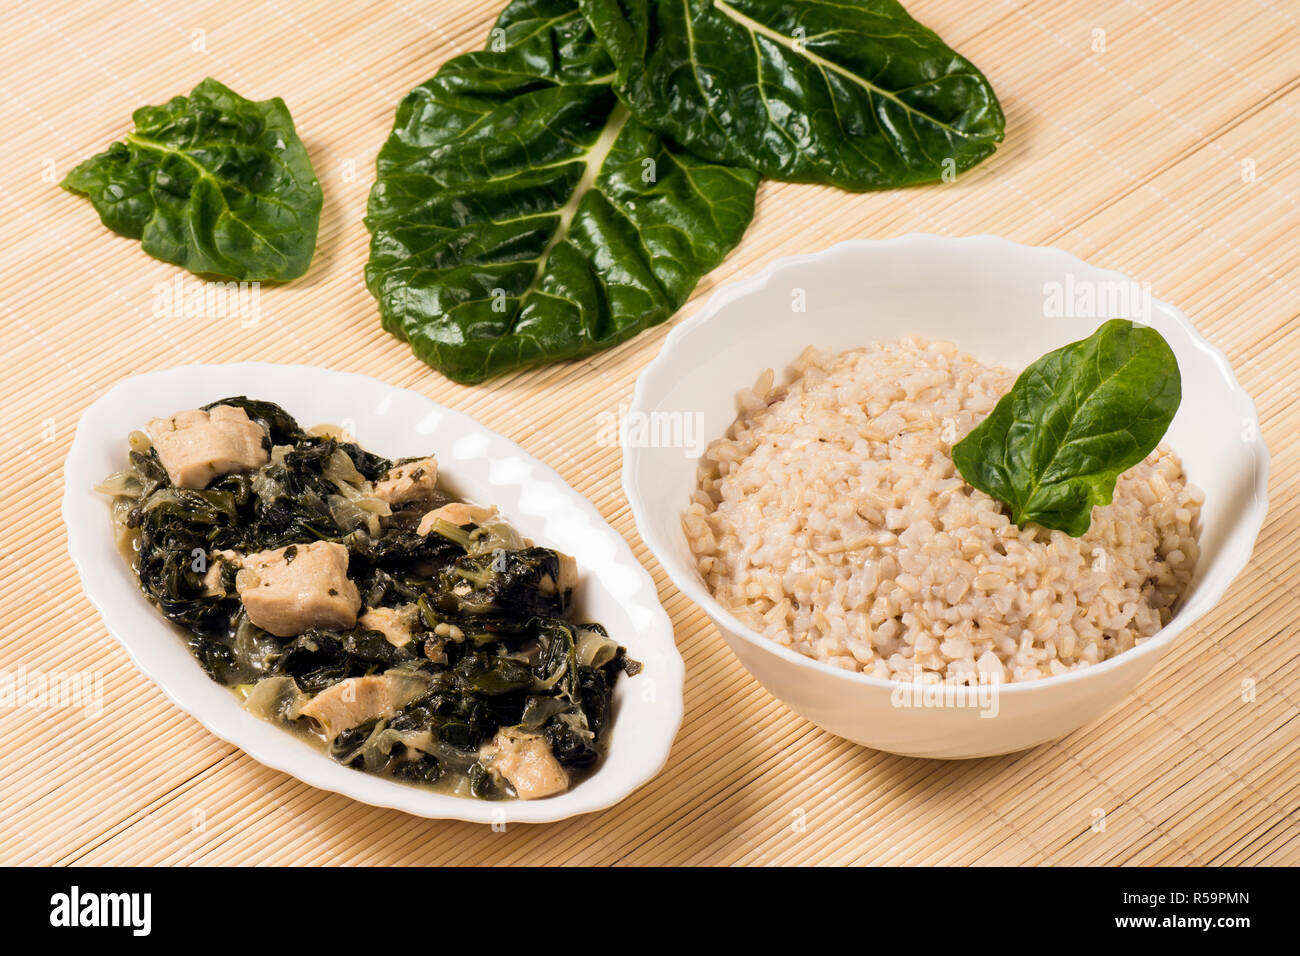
x=1073, y=422
x=213, y=182
x=520, y=214
x=853, y=93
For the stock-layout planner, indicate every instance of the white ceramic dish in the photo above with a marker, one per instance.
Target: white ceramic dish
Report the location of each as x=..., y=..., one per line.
x=475, y=463
x=989, y=296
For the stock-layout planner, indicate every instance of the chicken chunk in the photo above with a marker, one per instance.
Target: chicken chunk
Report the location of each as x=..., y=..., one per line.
x=212, y=580
x=288, y=590
x=357, y=699
x=197, y=446
x=414, y=481
x=568, y=576
x=457, y=513
x=394, y=623
x=526, y=762
x=212, y=586
x=568, y=572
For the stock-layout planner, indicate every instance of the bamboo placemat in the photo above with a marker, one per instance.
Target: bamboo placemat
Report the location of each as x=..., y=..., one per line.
x=1151, y=136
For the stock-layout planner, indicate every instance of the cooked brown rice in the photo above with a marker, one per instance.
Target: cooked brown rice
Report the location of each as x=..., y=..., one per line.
x=832, y=520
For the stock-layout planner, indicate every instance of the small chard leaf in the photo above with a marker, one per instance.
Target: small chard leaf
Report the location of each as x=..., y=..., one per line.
x=857, y=95
x=520, y=214
x=212, y=182
x=1074, y=421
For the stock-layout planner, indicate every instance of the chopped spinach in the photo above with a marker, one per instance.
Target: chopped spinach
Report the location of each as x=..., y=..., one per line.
x=520, y=214
x=1073, y=422
x=213, y=182
x=485, y=609
x=856, y=95
x=423, y=769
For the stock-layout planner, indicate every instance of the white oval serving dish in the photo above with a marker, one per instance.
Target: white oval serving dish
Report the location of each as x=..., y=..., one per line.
x=473, y=462
x=1002, y=302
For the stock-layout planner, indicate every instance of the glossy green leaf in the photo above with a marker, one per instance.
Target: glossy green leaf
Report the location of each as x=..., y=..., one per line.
x=853, y=93
x=213, y=182
x=1073, y=422
x=521, y=215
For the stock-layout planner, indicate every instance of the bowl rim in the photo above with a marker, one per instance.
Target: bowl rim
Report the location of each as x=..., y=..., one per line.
x=111, y=603
x=686, y=579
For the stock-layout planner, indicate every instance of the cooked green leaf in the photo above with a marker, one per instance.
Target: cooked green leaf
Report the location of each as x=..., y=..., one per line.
x=854, y=94
x=1073, y=422
x=213, y=182
x=521, y=215
x=467, y=638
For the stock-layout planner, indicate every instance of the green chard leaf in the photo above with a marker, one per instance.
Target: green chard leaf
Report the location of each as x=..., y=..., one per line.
x=213, y=182
x=520, y=214
x=852, y=94
x=1074, y=421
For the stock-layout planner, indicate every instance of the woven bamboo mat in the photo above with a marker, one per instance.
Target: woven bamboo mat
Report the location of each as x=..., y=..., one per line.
x=1151, y=136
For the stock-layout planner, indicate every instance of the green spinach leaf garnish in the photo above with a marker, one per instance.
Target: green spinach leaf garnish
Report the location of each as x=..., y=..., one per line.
x=857, y=95
x=1073, y=422
x=213, y=182
x=521, y=214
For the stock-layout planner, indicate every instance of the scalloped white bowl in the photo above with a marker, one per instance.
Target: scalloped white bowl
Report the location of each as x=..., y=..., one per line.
x=987, y=295
x=473, y=462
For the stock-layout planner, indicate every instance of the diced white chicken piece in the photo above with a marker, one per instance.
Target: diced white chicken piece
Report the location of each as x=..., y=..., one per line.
x=414, y=481
x=197, y=446
x=212, y=577
x=357, y=699
x=526, y=762
x=394, y=623
x=212, y=580
x=458, y=513
x=568, y=572
x=288, y=590
x=568, y=576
